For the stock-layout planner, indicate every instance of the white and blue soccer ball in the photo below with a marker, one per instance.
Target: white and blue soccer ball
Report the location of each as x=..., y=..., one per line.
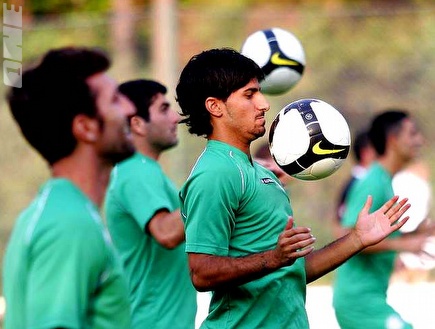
x=309, y=139
x=281, y=56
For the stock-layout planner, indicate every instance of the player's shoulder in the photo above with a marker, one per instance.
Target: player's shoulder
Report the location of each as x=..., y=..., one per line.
x=133, y=169
x=134, y=164
x=62, y=205
x=218, y=162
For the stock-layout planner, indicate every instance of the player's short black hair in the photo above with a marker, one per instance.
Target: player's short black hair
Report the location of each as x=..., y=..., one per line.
x=52, y=94
x=361, y=141
x=141, y=93
x=387, y=123
x=212, y=73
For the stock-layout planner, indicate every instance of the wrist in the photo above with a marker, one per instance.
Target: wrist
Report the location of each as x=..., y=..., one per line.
x=271, y=260
x=355, y=241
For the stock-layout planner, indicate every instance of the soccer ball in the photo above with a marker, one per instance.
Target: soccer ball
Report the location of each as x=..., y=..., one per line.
x=309, y=139
x=280, y=55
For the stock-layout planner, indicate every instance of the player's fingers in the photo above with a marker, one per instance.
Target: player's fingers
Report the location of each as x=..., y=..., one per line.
x=295, y=231
x=398, y=224
x=290, y=223
x=296, y=242
x=367, y=205
x=307, y=243
x=302, y=252
x=397, y=210
x=387, y=205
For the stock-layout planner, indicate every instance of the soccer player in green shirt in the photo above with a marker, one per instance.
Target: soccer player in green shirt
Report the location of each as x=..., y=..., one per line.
x=143, y=216
x=242, y=241
x=360, y=288
x=60, y=268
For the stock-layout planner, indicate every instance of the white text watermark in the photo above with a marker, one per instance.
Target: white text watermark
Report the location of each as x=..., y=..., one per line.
x=12, y=45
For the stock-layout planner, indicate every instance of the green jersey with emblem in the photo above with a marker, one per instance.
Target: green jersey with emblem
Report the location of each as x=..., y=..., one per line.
x=60, y=269
x=161, y=292
x=360, y=287
x=233, y=207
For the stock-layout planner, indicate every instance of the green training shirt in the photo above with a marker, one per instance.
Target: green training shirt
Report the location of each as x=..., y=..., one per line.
x=60, y=269
x=161, y=292
x=360, y=287
x=233, y=207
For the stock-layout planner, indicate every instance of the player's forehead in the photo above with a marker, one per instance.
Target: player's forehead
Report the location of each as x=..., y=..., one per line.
x=101, y=84
x=252, y=86
x=410, y=131
x=159, y=99
x=409, y=125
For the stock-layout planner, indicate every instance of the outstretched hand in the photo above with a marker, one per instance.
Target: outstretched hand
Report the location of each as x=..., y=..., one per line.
x=373, y=228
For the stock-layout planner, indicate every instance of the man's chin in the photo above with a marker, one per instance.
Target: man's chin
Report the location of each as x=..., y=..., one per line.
x=165, y=147
x=260, y=133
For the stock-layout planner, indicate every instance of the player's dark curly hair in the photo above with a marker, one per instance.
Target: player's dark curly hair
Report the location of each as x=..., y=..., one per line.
x=389, y=122
x=212, y=73
x=52, y=94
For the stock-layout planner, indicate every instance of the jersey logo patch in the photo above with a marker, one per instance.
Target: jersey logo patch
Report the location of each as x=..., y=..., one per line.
x=267, y=180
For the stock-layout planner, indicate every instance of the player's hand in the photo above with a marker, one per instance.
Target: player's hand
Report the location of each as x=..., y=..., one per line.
x=372, y=228
x=293, y=243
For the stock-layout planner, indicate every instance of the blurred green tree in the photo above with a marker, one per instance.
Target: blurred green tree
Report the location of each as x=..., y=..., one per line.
x=47, y=7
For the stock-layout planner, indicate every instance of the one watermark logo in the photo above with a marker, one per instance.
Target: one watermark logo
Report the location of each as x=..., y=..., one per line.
x=12, y=45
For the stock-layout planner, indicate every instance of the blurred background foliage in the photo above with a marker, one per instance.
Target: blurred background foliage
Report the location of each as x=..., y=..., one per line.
x=362, y=57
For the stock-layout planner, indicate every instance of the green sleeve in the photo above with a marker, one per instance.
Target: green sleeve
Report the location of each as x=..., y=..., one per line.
x=145, y=193
x=210, y=199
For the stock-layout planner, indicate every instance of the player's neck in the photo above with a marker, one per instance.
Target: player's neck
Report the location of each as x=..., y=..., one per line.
x=149, y=152
x=143, y=147
x=391, y=163
x=90, y=175
x=241, y=145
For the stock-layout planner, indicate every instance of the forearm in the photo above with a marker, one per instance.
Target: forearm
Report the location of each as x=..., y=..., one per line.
x=213, y=272
x=324, y=260
x=167, y=228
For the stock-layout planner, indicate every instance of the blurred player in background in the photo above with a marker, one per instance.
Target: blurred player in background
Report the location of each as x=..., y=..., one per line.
x=262, y=156
x=143, y=216
x=360, y=289
x=60, y=268
x=241, y=239
x=364, y=154
x=414, y=182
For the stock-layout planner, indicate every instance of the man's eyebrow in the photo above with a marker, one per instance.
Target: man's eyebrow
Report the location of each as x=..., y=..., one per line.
x=251, y=89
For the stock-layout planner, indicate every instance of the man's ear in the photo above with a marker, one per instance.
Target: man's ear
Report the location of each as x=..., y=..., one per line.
x=137, y=124
x=391, y=141
x=85, y=128
x=214, y=106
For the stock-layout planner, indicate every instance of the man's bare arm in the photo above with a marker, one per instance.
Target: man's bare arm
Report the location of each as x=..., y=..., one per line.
x=211, y=272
